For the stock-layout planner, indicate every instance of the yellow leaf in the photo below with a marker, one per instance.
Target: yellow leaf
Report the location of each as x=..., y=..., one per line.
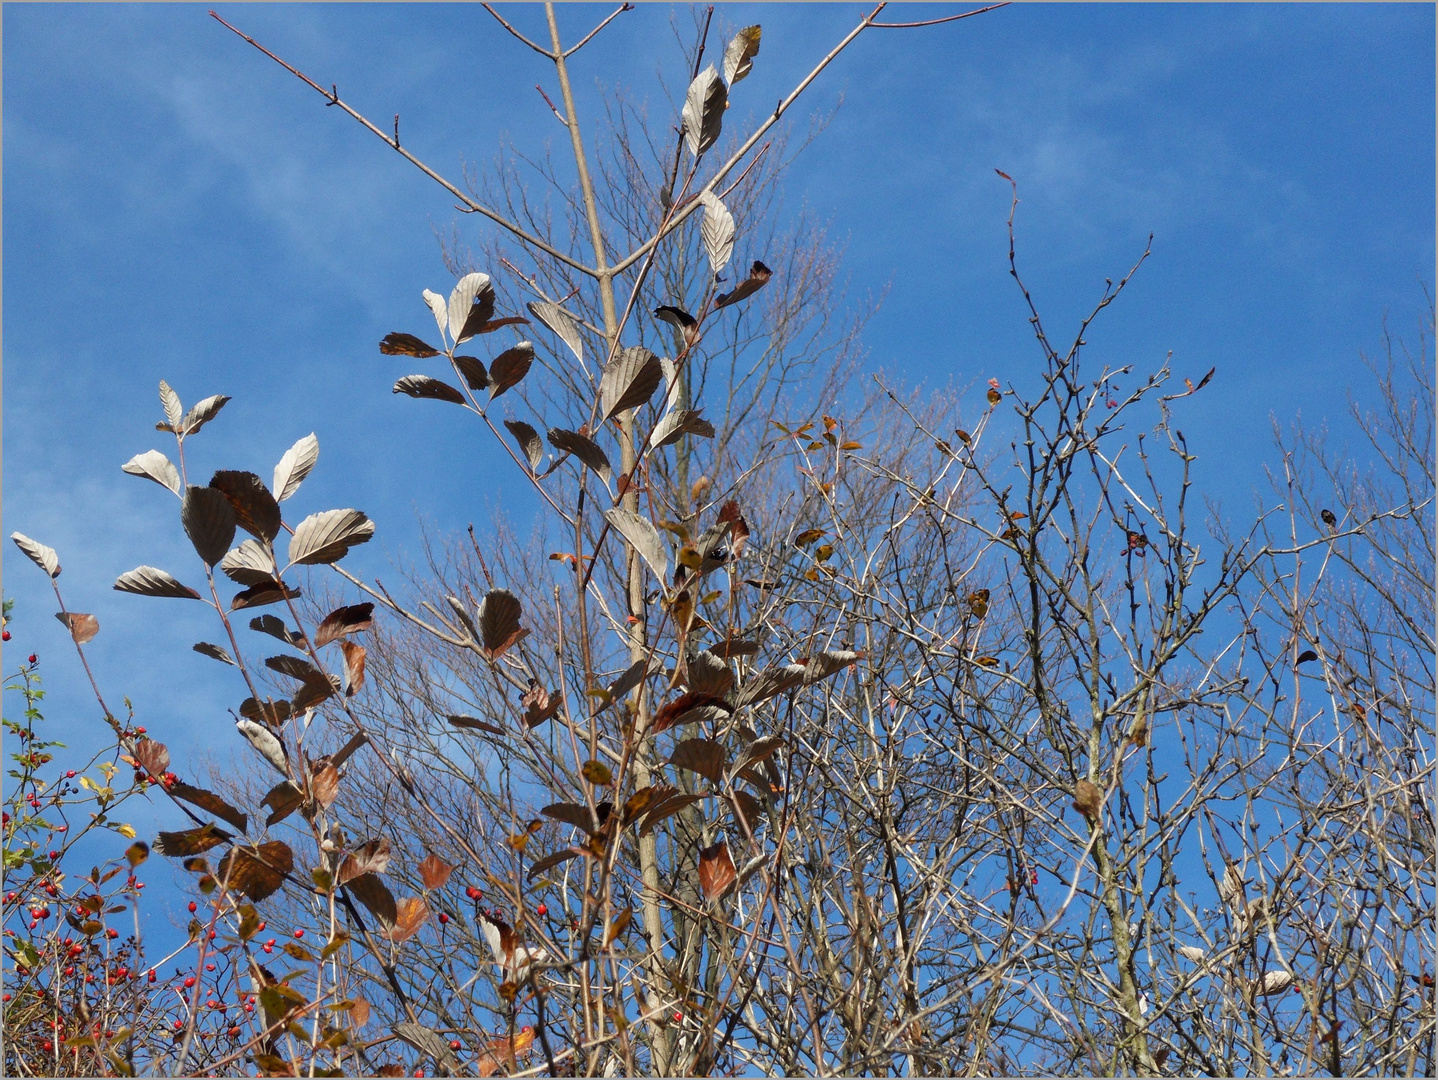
x=851, y=445
x=127, y=831
x=824, y=552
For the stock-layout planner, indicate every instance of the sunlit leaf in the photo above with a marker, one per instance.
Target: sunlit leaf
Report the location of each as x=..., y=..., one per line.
x=294, y=466
x=629, y=380
x=354, y=666
x=462, y=299
x=148, y=581
x=739, y=56
x=643, y=537
x=40, y=554
x=154, y=466
x=434, y=872
x=474, y=724
x=410, y=915
x=559, y=322
x=676, y=424
x=202, y=413
x=596, y=772
x=170, y=402
x=716, y=229
x=703, y=113
x=327, y=536
x=248, y=564
x=689, y=708
x=499, y=615
x=529, y=442
x=204, y=648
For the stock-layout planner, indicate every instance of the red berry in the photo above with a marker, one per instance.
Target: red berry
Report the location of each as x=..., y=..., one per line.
x=214, y=934
x=269, y=947
x=189, y=982
x=5, y=636
x=33, y=659
x=455, y=1044
x=233, y=1032
x=139, y=731
x=5, y=998
x=419, y=1072
x=260, y=927
x=299, y=933
x=443, y=918
x=209, y=967
x=678, y=1017
x=151, y=975
x=474, y=893
x=193, y=907
x=112, y=934
x=70, y=775
x=47, y=1046
x=70, y=970
x=542, y=909
x=179, y=1026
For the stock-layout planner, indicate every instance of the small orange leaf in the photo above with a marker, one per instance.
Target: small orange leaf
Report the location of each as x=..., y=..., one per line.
x=716, y=870
x=434, y=872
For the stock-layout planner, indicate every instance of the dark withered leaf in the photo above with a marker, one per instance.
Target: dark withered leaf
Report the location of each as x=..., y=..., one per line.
x=398, y=344
x=255, y=509
x=423, y=386
x=209, y=522
x=350, y=619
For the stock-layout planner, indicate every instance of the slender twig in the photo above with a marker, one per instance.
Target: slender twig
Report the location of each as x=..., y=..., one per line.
x=936, y=22
x=540, y=49
x=585, y=40
x=331, y=97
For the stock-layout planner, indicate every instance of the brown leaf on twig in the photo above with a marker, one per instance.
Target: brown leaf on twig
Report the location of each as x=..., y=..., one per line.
x=350, y=619
x=82, y=627
x=434, y=872
x=1087, y=799
x=716, y=870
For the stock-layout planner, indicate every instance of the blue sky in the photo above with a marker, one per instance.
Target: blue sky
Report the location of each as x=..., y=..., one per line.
x=176, y=206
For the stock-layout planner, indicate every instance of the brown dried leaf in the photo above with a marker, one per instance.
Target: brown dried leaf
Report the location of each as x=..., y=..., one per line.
x=209, y=522
x=325, y=783
x=283, y=800
x=268, y=592
x=434, y=872
x=473, y=724
x=576, y=814
x=410, y=915
x=702, y=756
x=749, y=808
x=191, y=841
x=423, y=386
x=255, y=509
x=471, y=369
x=397, y=344
x=539, y=704
x=273, y=713
x=759, y=276
x=583, y=448
x=359, y=1013
x=371, y=857
x=510, y=366
x=153, y=757
x=314, y=691
x=499, y=615
x=1087, y=799
x=370, y=891
x=248, y=563
x=350, y=619
x=258, y=871
x=207, y=800
x=689, y=708
x=296, y=667
x=716, y=870
x=549, y=862
x=82, y=627
x=204, y=648
x=664, y=806
x=354, y=666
